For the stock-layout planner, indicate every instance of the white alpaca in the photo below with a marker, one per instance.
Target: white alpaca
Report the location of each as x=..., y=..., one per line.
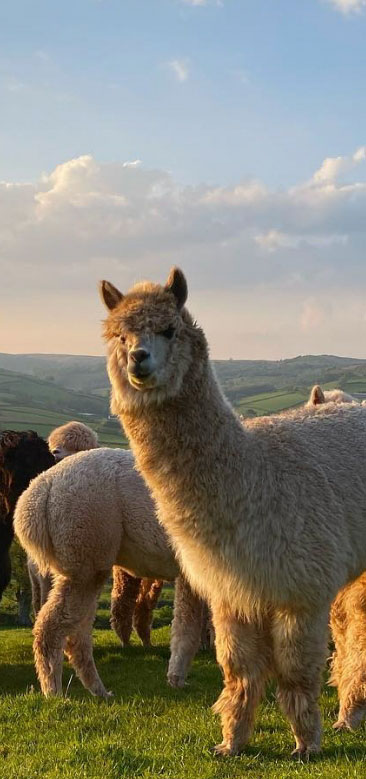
x=84, y=515
x=132, y=600
x=268, y=518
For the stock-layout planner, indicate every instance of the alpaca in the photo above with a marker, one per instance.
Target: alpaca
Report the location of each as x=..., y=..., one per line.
x=88, y=513
x=268, y=519
x=347, y=622
x=63, y=441
x=23, y=455
x=71, y=438
x=133, y=599
x=319, y=396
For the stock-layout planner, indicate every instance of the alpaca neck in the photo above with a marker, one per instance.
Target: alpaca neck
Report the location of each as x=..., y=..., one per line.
x=183, y=445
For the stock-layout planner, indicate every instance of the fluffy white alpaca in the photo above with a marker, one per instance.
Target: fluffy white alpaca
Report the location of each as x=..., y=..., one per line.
x=268, y=518
x=84, y=515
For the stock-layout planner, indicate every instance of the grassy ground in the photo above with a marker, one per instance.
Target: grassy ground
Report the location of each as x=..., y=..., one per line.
x=148, y=730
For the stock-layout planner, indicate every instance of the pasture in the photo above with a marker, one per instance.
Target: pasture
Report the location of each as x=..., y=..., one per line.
x=148, y=730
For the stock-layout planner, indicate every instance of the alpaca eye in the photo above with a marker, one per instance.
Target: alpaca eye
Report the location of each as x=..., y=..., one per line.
x=169, y=332
x=122, y=339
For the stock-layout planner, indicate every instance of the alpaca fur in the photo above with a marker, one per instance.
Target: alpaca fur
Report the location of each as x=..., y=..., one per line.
x=71, y=438
x=23, y=455
x=63, y=441
x=319, y=397
x=268, y=518
x=133, y=600
x=90, y=512
x=347, y=622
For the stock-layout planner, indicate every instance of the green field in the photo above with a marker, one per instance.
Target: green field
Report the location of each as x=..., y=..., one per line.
x=148, y=730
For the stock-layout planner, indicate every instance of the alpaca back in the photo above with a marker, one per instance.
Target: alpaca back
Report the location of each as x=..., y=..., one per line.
x=91, y=511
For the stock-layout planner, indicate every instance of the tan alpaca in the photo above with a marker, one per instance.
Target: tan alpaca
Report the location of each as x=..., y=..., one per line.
x=268, y=518
x=78, y=519
x=133, y=599
x=71, y=438
x=62, y=442
x=348, y=624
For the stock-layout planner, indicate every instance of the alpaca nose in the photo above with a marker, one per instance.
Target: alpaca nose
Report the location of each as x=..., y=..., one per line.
x=139, y=355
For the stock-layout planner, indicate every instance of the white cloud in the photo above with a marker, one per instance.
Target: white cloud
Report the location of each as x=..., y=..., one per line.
x=132, y=164
x=274, y=240
x=349, y=6
x=180, y=69
x=265, y=250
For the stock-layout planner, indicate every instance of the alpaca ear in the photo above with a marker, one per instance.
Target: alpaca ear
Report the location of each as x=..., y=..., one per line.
x=178, y=286
x=317, y=396
x=110, y=295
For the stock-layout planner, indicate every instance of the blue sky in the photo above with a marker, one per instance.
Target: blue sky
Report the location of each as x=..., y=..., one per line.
x=272, y=87
x=227, y=136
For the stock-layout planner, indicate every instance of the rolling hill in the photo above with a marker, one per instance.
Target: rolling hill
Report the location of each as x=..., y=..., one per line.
x=42, y=391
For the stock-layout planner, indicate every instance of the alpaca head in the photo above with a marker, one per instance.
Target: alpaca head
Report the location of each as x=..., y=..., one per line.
x=318, y=397
x=151, y=339
x=71, y=438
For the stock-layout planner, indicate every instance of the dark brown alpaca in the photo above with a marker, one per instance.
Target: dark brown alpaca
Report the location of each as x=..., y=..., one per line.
x=23, y=455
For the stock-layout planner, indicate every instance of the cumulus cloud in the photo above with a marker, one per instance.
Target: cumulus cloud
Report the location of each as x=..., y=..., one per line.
x=273, y=254
x=180, y=69
x=349, y=6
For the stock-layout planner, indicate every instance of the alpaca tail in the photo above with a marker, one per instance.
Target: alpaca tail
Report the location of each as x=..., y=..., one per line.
x=31, y=522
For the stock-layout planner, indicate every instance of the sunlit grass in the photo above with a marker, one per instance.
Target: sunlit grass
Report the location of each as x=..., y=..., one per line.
x=148, y=730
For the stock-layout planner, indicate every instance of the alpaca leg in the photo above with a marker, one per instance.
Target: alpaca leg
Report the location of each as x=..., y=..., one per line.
x=300, y=646
x=207, y=632
x=45, y=586
x=49, y=636
x=79, y=651
x=349, y=667
x=69, y=604
x=186, y=631
x=124, y=594
x=148, y=597
x=35, y=585
x=243, y=650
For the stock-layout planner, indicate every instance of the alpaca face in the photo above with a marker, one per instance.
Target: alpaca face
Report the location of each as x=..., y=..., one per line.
x=59, y=452
x=71, y=438
x=148, y=335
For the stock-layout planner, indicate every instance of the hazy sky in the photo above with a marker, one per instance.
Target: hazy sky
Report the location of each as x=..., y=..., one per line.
x=225, y=136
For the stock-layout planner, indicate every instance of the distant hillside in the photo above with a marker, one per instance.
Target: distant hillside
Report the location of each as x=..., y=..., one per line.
x=76, y=372
x=27, y=402
x=239, y=378
x=47, y=390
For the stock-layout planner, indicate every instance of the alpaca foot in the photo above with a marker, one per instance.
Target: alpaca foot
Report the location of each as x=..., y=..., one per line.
x=302, y=754
x=99, y=691
x=341, y=724
x=351, y=718
x=176, y=681
x=224, y=750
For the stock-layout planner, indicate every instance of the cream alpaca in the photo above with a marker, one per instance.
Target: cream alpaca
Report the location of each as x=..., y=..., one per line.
x=348, y=624
x=84, y=515
x=62, y=442
x=133, y=600
x=268, y=519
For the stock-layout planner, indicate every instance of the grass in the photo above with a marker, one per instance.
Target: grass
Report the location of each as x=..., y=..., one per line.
x=148, y=730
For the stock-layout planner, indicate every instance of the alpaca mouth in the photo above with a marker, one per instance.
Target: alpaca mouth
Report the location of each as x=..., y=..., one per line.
x=142, y=382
